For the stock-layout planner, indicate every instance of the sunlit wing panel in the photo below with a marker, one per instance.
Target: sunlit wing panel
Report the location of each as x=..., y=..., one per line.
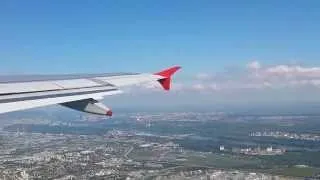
x=36, y=91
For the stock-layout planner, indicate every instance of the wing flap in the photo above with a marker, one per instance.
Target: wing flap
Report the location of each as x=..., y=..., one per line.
x=89, y=106
x=27, y=104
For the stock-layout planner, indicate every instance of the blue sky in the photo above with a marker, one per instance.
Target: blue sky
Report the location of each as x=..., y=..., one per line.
x=102, y=36
x=252, y=50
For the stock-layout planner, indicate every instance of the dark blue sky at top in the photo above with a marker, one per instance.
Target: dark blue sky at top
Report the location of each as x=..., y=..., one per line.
x=120, y=35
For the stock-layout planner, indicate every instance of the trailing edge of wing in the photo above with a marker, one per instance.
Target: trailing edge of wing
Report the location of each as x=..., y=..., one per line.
x=28, y=104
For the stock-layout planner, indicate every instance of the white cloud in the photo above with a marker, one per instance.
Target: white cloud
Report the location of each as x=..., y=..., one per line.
x=214, y=87
x=261, y=77
x=199, y=87
x=254, y=65
x=175, y=86
x=203, y=76
x=294, y=71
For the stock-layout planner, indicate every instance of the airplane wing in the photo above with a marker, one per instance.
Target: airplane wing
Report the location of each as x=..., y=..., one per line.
x=79, y=92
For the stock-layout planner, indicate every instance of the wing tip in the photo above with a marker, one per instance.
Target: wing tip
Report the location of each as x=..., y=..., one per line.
x=167, y=74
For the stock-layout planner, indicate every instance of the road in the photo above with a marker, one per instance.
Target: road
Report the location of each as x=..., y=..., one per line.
x=128, y=152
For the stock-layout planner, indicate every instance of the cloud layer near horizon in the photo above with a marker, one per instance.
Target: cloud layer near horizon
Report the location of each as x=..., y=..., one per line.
x=253, y=83
x=255, y=76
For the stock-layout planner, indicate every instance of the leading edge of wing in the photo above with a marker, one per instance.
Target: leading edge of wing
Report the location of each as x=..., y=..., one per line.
x=36, y=78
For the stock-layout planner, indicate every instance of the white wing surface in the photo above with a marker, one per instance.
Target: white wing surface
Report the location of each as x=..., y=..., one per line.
x=80, y=92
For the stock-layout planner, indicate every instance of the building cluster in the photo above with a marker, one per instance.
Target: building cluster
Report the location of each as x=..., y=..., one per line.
x=219, y=175
x=257, y=151
x=178, y=116
x=262, y=152
x=286, y=135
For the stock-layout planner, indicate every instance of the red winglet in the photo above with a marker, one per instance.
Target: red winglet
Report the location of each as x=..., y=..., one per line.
x=166, y=74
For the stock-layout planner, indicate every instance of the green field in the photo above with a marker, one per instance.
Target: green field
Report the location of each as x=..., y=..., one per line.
x=296, y=171
x=221, y=161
